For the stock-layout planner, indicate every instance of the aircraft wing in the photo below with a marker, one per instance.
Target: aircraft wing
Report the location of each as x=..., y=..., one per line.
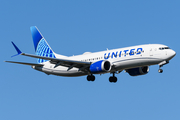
x=24, y=63
x=57, y=59
x=62, y=62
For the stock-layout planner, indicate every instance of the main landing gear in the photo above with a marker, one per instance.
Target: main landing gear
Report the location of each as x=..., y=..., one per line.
x=91, y=77
x=113, y=78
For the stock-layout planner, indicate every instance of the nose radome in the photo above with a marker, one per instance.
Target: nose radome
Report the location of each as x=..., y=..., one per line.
x=173, y=53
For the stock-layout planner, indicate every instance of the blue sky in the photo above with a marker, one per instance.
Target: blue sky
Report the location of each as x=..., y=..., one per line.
x=75, y=27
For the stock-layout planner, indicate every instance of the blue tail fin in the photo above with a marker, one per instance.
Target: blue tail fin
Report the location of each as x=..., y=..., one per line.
x=41, y=46
x=17, y=49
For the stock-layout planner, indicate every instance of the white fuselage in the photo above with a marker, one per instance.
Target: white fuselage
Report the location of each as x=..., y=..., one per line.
x=120, y=59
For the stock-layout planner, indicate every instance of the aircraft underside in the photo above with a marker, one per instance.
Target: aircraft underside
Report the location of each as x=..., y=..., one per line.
x=118, y=67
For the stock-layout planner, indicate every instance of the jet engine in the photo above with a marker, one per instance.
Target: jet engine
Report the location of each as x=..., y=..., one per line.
x=138, y=71
x=100, y=67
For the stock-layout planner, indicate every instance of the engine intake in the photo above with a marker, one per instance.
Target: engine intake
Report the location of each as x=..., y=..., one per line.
x=138, y=71
x=100, y=66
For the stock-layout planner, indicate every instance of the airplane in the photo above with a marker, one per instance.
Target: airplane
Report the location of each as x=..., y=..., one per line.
x=134, y=60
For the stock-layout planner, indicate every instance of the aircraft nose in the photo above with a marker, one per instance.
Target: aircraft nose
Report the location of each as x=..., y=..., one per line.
x=173, y=53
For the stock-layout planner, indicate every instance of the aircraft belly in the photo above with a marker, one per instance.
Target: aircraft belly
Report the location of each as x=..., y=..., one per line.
x=118, y=65
x=63, y=71
x=70, y=73
x=135, y=62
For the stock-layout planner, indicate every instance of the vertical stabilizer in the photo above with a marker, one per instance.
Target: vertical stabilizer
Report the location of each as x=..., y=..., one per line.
x=40, y=44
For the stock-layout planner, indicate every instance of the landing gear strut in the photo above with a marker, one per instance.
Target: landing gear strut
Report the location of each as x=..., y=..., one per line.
x=161, y=64
x=113, y=78
x=160, y=70
x=91, y=77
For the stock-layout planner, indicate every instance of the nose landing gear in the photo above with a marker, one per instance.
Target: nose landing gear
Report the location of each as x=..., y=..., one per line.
x=161, y=65
x=160, y=70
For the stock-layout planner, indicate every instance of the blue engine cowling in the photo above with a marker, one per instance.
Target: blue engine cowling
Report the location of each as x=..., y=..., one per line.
x=100, y=67
x=138, y=71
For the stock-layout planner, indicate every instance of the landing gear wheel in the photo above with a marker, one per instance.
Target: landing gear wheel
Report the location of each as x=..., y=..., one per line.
x=113, y=79
x=110, y=79
x=160, y=70
x=90, y=77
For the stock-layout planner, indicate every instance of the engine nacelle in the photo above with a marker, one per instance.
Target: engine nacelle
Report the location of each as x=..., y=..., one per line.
x=100, y=66
x=138, y=71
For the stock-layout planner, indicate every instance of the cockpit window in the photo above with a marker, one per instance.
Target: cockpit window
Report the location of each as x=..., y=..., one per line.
x=163, y=48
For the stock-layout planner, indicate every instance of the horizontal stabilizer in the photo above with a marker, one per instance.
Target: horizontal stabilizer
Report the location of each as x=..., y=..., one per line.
x=31, y=64
x=17, y=49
